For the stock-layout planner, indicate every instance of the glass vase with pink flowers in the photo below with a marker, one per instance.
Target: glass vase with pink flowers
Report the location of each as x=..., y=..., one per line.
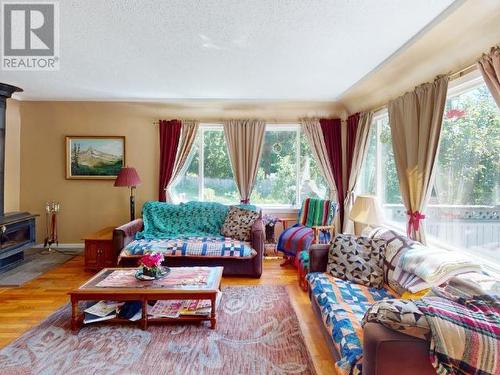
x=150, y=266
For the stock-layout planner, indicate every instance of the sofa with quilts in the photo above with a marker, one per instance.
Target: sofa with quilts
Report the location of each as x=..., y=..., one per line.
x=195, y=234
x=355, y=282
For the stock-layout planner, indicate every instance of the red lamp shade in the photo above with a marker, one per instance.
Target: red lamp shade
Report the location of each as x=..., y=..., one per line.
x=128, y=177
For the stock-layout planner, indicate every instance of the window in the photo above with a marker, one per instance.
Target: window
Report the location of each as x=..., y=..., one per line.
x=277, y=174
x=463, y=210
x=287, y=172
x=378, y=175
x=207, y=175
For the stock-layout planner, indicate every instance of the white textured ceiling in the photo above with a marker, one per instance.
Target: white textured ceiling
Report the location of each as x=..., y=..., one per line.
x=222, y=49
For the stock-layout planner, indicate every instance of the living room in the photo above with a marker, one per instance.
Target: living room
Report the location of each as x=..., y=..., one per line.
x=224, y=187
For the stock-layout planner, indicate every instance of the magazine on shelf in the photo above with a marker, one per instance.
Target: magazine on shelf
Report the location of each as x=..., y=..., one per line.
x=176, y=308
x=165, y=309
x=106, y=310
x=91, y=318
x=103, y=308
x=200, y=307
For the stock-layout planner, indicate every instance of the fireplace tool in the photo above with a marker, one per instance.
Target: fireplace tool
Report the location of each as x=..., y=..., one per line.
x=51, y=212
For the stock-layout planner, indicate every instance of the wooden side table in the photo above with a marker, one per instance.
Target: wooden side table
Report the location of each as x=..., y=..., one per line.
x=99, y=252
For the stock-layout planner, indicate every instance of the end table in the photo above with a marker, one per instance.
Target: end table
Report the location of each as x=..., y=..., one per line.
x=99, y=251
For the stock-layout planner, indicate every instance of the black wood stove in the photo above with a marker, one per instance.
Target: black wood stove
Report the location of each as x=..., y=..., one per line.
x=17, y=229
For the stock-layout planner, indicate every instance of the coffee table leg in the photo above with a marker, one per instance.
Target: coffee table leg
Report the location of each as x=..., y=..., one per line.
x=213, y=319
x=74, y=314
x=144, y=319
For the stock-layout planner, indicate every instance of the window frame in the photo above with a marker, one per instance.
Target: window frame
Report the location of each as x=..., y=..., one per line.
x=289, y=127
x=203, y=127
x=457, y=87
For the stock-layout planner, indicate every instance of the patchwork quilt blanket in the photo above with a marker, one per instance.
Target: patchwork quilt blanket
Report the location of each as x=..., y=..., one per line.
x=343, y=305
x=191, y=246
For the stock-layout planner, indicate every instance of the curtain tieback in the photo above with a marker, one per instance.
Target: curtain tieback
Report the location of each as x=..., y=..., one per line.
x=414, y=218
x=245, y=201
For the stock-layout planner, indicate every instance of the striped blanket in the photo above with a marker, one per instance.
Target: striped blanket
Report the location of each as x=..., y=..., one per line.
x=295, y=240
x=465, y=334
x=316, y=212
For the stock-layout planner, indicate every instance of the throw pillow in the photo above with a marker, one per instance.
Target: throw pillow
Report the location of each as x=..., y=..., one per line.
x=238, y=223
x=397, y=244
x=357, y=259
x=399, y=315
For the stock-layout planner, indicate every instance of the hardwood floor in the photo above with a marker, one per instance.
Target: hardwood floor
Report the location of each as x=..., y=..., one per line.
x=24, y=307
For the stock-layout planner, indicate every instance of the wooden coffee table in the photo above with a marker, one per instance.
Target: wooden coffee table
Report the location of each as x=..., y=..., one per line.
x=119, y=284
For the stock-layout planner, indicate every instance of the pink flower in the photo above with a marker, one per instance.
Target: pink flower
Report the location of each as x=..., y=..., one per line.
x=455, y=114
x=151, y=260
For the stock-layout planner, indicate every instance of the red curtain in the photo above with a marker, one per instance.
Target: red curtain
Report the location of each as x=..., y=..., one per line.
x=333, y=140
x=352, y=128
x=170, y=133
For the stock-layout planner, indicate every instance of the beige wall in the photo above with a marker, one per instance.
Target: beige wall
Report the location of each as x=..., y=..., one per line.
x=89, y=205
x=12, y=156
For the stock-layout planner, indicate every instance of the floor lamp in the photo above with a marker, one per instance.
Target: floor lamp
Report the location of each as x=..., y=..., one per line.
x=128, y=177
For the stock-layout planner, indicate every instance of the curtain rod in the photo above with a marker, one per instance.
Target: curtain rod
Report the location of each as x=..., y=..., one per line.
x=452, y=77
x=219, y=122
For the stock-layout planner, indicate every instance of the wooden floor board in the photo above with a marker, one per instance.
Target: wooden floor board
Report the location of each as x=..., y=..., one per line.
x=22, y=308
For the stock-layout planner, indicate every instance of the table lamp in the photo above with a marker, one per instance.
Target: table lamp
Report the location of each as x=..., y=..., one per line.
x=366, y=210
x=128, y=177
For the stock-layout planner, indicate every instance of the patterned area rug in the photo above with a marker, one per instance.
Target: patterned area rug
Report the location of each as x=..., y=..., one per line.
x=257, y=333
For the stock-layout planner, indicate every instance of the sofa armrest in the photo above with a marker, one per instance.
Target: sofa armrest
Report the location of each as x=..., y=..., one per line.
x=125, y=234
x=384, y=348
x=257, y=239
x=318, y=255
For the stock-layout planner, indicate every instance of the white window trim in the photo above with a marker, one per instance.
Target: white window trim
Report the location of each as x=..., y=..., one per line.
x=465, y=83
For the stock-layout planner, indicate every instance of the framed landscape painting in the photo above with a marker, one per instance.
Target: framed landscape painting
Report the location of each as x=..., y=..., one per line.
x=94, y=157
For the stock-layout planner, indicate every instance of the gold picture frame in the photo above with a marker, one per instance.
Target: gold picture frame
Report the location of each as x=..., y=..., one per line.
x=94, y=157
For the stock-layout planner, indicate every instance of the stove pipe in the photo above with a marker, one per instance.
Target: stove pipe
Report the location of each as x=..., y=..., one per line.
x=6, y=92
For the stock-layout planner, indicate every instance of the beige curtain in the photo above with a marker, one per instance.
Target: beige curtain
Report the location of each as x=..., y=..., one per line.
x=415, y=119
x=314, y=135
x=244, y=139
x=360, y=149
x=188, y=136
x=489, y=65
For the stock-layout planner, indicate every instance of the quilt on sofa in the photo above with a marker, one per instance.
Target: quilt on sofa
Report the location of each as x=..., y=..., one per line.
x=343, y=305
x=191, y=246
